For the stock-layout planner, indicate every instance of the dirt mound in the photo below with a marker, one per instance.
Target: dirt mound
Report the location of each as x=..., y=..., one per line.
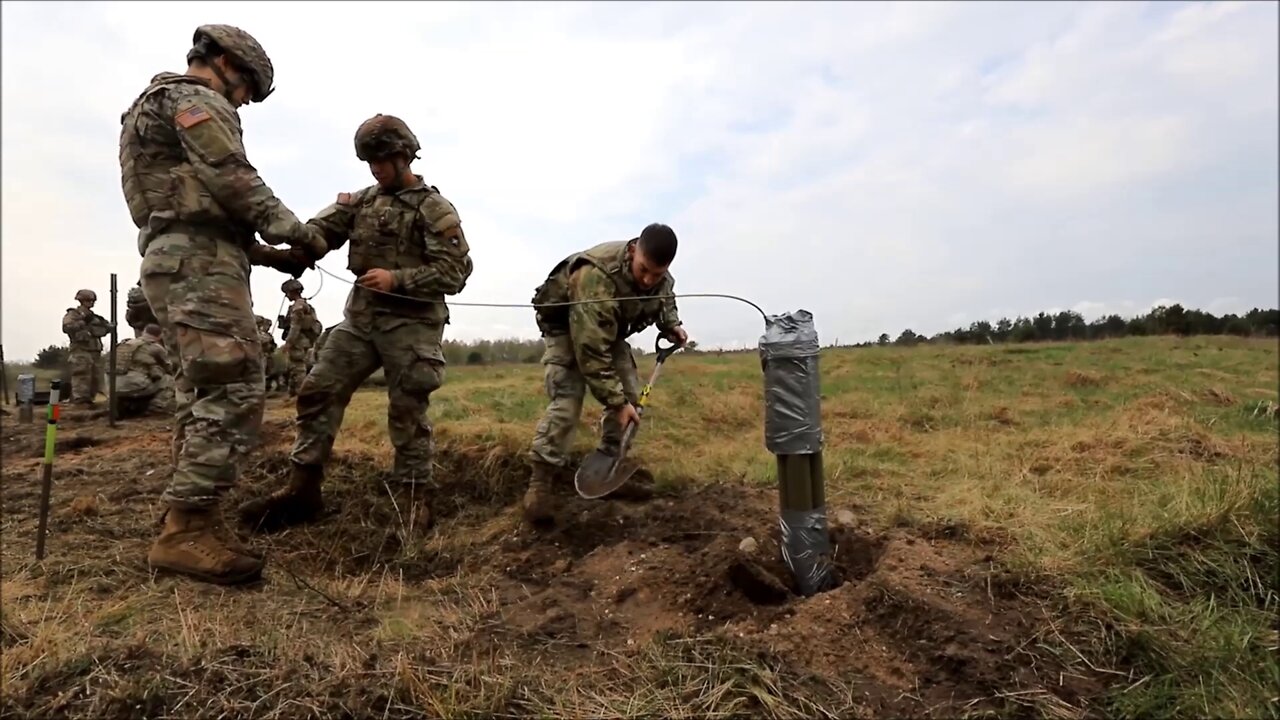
x=661, y=601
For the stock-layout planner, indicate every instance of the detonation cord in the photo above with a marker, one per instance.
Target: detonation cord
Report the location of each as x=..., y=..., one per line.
x=453, y=303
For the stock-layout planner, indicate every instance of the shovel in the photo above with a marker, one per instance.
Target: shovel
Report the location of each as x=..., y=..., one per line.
x=601, y=473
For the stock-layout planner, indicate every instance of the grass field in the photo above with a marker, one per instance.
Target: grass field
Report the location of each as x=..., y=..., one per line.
x=1100, y=511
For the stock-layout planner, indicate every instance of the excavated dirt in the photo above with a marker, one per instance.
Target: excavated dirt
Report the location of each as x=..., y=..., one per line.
x=923, y=621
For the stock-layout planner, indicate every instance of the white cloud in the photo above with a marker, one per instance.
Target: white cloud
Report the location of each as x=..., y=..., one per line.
x=883, y=165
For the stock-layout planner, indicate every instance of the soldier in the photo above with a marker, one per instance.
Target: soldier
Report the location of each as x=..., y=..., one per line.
x=301, y=327
x=197, y=202
x=144, y=380
x=86, y=329
x=268, y=345
x=408, y=252
x=315, y=349
x=586, y=345
x=137, y=312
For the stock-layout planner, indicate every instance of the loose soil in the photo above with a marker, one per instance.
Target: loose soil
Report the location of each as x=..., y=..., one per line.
x=924, y=621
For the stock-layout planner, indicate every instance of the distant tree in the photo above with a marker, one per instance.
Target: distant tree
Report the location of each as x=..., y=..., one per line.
x=883, y=339
x=908, y=338
x=691, y=346
x=475, y=357
x=52, y=357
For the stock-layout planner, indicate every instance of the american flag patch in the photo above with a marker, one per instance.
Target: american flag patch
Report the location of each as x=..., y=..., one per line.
x=192, y=116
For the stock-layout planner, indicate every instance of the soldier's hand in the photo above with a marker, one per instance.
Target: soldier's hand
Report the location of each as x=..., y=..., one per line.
x=678, y=336
x=313, y=245
x=626, y=413
x=378, y=279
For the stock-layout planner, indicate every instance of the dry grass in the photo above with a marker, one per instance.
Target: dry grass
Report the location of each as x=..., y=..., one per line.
x=1133, y=482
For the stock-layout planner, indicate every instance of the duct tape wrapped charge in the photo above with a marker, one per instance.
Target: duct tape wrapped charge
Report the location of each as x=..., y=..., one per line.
x=806, y=548
x=792, y=396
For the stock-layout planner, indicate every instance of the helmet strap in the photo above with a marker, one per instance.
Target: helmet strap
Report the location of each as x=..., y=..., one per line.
x=228, y=88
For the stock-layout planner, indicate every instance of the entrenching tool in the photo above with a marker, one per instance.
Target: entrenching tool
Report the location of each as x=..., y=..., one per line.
x=601, y=473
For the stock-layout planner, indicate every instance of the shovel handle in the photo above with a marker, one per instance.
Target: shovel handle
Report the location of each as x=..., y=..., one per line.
x=663, y=352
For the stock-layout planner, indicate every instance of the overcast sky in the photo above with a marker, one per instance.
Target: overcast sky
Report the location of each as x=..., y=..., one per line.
x=882, y=165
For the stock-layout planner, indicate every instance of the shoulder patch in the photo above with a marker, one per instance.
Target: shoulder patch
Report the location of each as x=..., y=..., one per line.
x=344, y=198
x=192, y=116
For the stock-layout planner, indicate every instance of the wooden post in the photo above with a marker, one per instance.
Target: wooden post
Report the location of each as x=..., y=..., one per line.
x=111, y=362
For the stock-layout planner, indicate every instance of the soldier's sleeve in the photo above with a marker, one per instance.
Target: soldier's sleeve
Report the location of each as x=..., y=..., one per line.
x=210, y=133
x=336, y=221
x=449, y=263
x=593, y=328
x=161, y=358
x=100, y=326
x=73, y=325
x=669, y=317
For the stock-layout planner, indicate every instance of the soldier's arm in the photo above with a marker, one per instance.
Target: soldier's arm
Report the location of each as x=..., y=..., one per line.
x=449, y=263
x=210, y=133
x=336, y=221
x=593, y=328
x=73, y=325
x=669, y=316
x=161, y=358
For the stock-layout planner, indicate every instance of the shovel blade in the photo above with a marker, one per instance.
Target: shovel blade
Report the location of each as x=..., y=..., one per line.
x=601, y=473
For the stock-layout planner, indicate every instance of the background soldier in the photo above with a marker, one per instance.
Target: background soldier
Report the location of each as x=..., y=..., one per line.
x=301, y=328
x=586, y=345
x=268, y=344
x=85, y=328
x=144, y=380
x=406, y=239
x=137, y=313
x=197, y=202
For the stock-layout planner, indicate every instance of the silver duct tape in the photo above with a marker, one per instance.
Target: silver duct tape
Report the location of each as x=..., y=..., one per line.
x=806, y=549
x=792, y=384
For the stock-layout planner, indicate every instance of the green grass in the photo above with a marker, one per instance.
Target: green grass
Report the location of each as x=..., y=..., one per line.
x=1134, y=473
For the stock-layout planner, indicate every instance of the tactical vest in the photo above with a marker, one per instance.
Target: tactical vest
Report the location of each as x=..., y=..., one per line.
x=611, y=258
x=84, y=340
x=309, y=328
x=160, y=185
x=390, y=232
x=127, y=352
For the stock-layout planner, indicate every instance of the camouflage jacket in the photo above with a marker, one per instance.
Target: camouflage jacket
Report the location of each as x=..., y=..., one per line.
x=304, y=326
x=143, y=356
x=85, y=328
x=182, y=158
x=415, y=233
x=603, y=274
x=137, y=311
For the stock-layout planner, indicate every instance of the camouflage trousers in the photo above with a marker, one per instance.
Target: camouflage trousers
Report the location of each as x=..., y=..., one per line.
x=566, y=388
x=86, y=375
x=409, y=352
x=299, y=366
x=199, y=290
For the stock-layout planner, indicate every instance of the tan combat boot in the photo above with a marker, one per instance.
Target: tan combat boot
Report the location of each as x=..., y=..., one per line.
x=189, y=544
x=298, y=502
x=539, y=503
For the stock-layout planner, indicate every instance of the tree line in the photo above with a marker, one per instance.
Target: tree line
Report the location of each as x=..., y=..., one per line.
x=1070, y=325
x=1062, y=326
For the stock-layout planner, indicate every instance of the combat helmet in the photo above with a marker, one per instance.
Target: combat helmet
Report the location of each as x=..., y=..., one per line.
x=384, y=135
x=86, y=294
x=291, y=285
x=248, y=55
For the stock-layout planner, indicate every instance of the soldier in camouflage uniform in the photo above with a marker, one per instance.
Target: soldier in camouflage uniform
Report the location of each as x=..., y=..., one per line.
x=268, y=345
x=301, y=329
x=137, y=313
x=586, y=345
x=407, y=240
x=197, y=202
x=315, y=349
x=86, y=329
x=144, y=379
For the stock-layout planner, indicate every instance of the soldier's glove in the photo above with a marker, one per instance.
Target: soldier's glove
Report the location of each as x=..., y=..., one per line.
x=313, y=244
x=292, y=261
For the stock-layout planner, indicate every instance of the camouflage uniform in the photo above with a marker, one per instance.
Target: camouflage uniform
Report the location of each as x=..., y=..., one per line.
x=137, y=313
x=197, y=202
x=86, y=329
x=416, y=234
x=300, y=334
x=315, y=349
x=587, y=349
x=144, y=383
x=268, y=344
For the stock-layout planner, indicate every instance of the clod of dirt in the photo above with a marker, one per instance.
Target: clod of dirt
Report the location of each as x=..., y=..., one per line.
x=84, y=506
x=845, y=518
x=748, y=545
